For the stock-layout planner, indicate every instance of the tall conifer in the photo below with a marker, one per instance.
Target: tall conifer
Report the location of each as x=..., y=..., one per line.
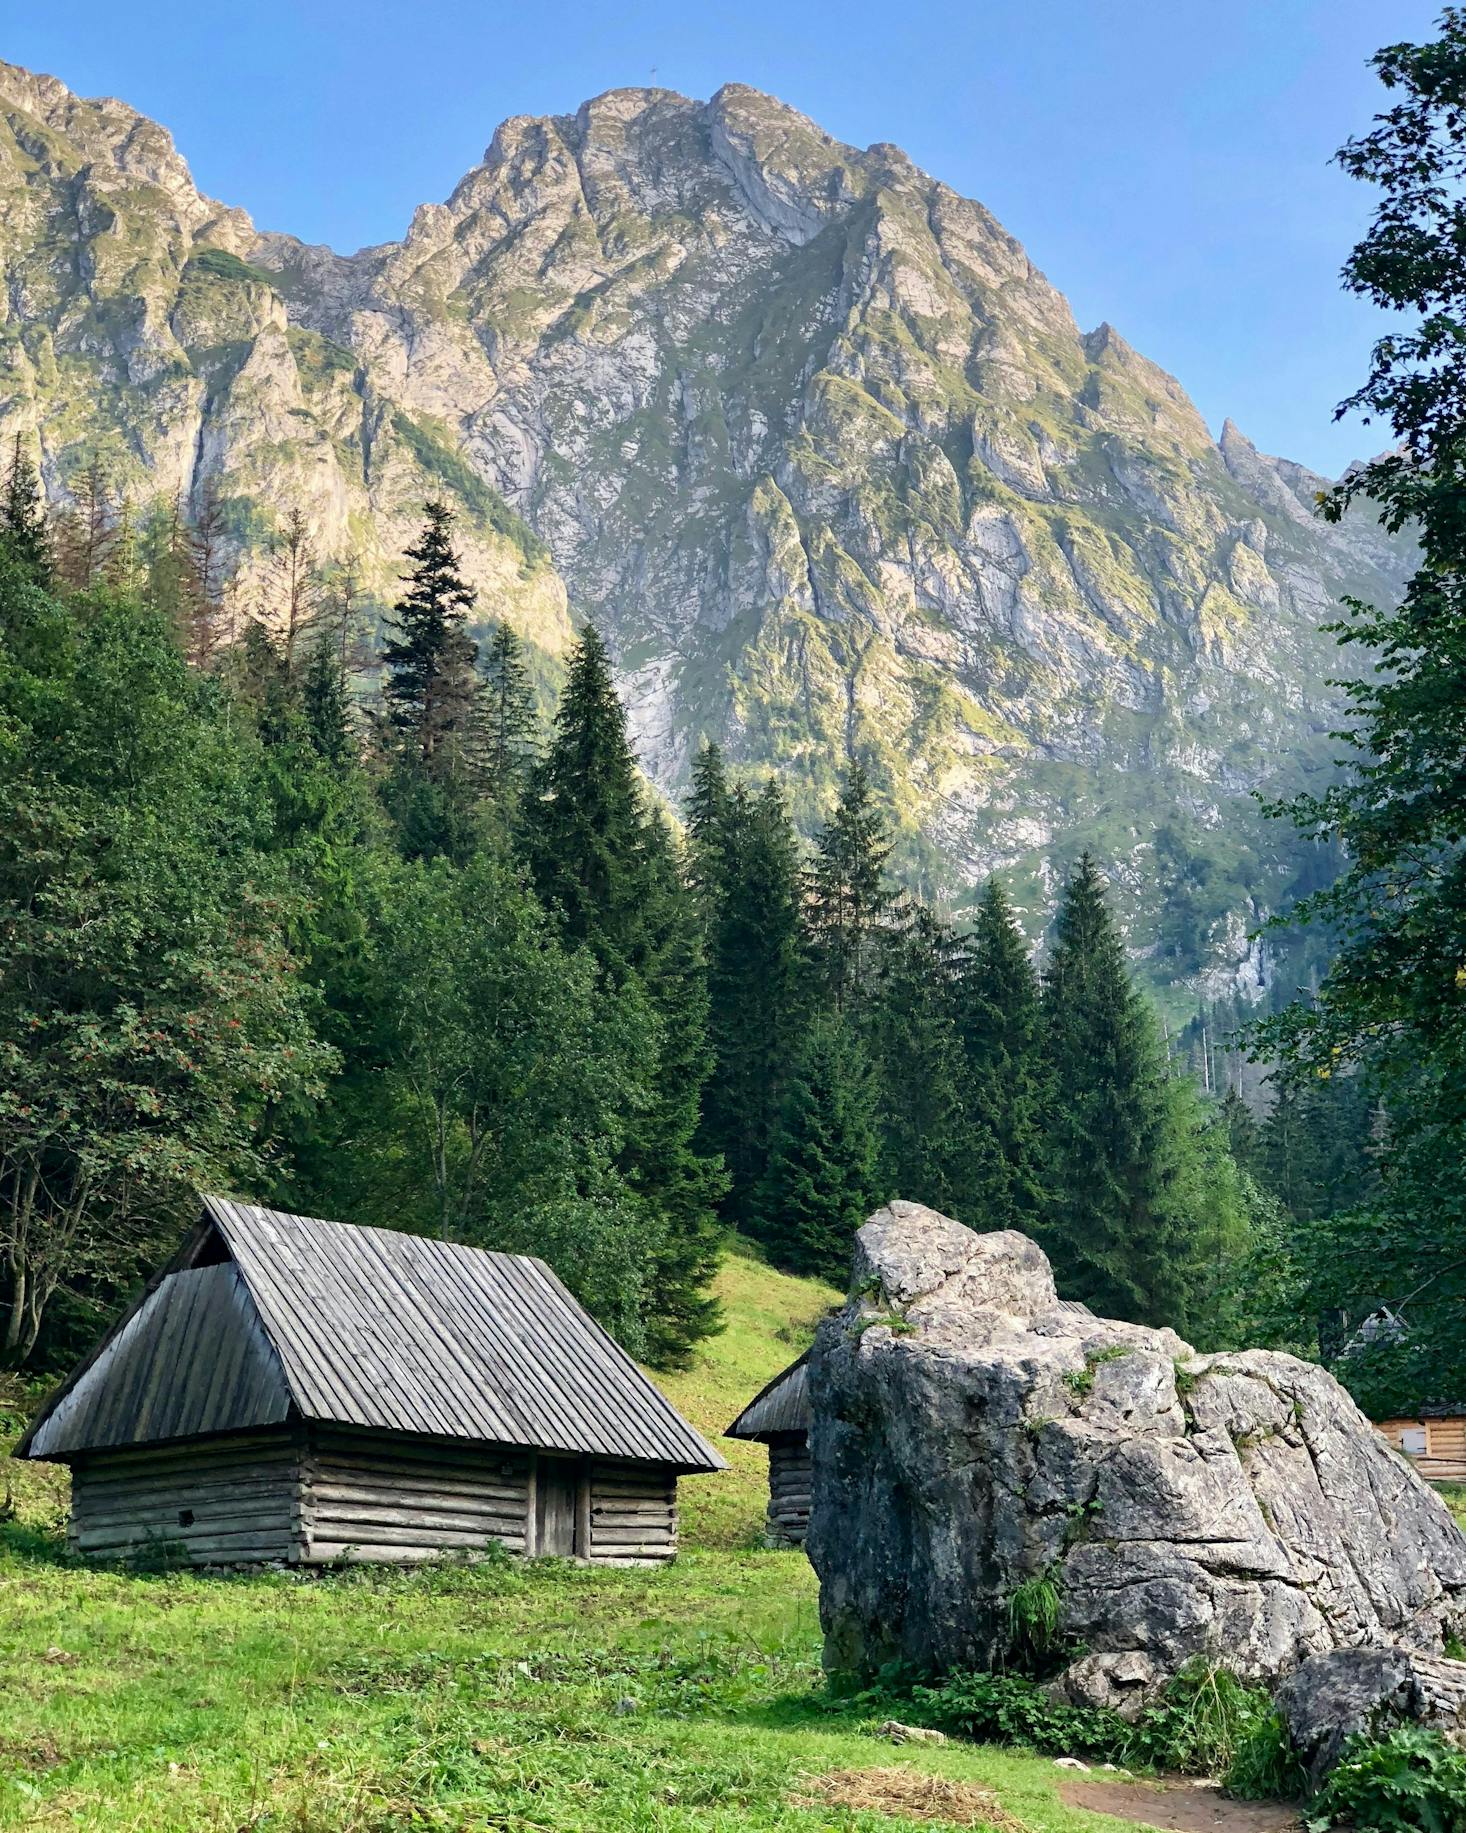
x=608, y=870
x=1112, y=1232
x=326, y=703
x=665, y=1159
x=930, y=1152
x=1006, y=1066
x=23, y=516
x=848, y=891
x=588, y=839
x=707, y=829
x=749, y=885
x=430, y=686
x=823, y=1179
x=509, y=720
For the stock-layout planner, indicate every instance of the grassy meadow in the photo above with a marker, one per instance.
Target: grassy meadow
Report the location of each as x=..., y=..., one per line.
x=462, y=1698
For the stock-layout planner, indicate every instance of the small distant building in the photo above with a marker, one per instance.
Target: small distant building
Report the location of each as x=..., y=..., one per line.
x=302, y=1391
x=1434, y=1440
x=778, y=1416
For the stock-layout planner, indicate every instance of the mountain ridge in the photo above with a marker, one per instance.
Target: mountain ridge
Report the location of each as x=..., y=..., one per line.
x=806, y=432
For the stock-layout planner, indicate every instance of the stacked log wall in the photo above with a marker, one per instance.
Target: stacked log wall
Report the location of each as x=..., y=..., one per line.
x=632, y=1513
x=315, y=1495
x=227, y=1501
x=790, y=1486
x=374, y=1496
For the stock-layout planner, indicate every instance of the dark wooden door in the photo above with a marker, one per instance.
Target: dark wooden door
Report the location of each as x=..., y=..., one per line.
x=556, y=1492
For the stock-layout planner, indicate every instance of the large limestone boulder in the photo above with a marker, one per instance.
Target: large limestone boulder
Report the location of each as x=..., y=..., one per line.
x=971, y=1432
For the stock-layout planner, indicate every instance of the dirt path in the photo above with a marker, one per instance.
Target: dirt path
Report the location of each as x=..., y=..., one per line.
x=1180, y=1807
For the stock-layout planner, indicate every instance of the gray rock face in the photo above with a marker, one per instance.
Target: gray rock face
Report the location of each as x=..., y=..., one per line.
x=821, y=452
x=1349, y=1690
x=972, y=1432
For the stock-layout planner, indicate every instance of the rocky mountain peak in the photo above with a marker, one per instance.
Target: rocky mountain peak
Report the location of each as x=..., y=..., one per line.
x=801, y=428
x=68, y=135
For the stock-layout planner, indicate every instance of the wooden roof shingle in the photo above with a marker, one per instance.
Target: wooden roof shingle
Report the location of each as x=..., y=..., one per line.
x=782, y=1405
x=373, y=1328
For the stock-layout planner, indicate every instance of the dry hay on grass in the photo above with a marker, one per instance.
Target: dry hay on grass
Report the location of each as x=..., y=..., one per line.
x=910, y=1794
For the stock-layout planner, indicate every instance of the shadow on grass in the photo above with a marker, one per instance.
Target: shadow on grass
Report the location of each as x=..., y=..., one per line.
x=37, y=1546
x=813, y=1710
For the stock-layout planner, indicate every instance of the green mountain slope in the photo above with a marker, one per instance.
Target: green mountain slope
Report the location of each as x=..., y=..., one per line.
x=800, y=427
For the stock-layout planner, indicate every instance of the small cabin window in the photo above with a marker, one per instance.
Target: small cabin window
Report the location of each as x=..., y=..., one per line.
x=185, y=1517
x=1412, y=1440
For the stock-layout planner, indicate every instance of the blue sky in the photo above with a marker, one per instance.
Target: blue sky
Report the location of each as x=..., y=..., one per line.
x=1164, y=161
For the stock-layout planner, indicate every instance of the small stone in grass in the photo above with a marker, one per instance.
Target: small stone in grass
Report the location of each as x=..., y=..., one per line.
x=898, y=1733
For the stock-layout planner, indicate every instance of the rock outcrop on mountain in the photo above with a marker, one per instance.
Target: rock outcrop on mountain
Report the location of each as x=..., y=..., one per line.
x=972, y=1435
x=802, y=429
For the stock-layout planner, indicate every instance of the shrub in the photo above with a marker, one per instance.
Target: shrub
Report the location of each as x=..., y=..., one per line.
x=1033, y=1619
x=1006, y=1708
x=1206, y=1722
x=1264, y=1765
x=1409, y=1780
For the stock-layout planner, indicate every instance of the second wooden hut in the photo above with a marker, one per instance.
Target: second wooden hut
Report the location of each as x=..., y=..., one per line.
x=778, y=1416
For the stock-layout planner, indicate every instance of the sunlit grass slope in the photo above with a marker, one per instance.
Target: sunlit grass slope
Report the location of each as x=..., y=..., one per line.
x=769, y=1320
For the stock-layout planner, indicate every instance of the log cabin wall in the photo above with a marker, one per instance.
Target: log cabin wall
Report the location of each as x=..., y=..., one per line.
x=790, y=1485
x=632, y=1513
x=380, y=1496
x=315, y=1495
x=227, y=1501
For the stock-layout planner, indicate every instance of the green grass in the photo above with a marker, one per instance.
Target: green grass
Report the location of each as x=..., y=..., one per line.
x=770, y=1319
x=458, y=1698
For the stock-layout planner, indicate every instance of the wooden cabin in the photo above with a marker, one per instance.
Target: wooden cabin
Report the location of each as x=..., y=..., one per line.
x=1434, y=1441
x=778, y=1416
x=297, y=1391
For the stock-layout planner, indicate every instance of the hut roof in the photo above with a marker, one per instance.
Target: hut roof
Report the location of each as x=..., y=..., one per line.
x=265, y=1316
x=781, y=1406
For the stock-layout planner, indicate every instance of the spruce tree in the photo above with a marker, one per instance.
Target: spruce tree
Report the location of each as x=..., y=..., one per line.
x=294, y=589
x=23, y=516
x=588, y=839
x=748, y=882
x=848, y=891
x=608, y=871
x=1243, y=1132
x=1007, y=1077
x=823, y=1179
x=327, y=704
x=430, y=685
x=1112, y=1231
x=930, y=1152
x=707, y=829
x=509, y=721
x=664, y=1159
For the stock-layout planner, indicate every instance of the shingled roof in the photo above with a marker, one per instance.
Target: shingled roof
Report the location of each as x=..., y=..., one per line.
x=780, y=1406
x=265, y=1316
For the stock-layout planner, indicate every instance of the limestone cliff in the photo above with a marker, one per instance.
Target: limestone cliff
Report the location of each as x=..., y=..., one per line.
x=805, y=432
